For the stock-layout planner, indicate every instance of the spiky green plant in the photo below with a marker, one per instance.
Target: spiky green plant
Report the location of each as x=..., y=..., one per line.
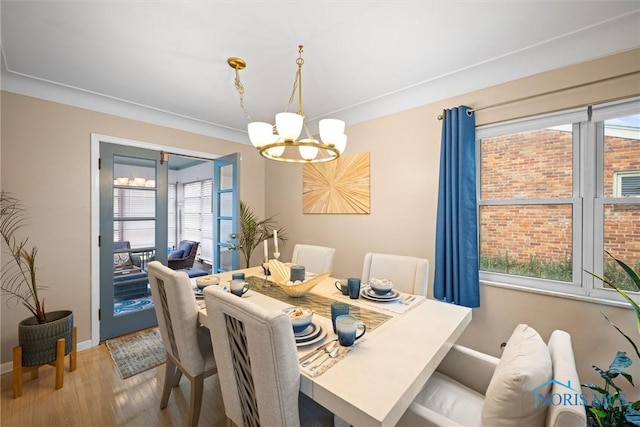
x=19, y=272
x=612, y=409
x=253, y=231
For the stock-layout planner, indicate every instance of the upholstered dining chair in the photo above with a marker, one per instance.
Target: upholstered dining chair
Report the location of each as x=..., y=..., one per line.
x=258, y=364
x=187, y=343
x=408, y=274
x=315, y=259
x=518, y=389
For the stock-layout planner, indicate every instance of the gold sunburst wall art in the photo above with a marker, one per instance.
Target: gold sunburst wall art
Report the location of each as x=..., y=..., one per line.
x=338, y=187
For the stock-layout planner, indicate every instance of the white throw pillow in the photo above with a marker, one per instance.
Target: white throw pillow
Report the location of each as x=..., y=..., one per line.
x=525, y=365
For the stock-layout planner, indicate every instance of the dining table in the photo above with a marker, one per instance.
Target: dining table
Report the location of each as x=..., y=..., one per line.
x=374, y=381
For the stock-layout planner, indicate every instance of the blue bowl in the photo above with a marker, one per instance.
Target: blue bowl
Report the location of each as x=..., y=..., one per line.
x=300, y=318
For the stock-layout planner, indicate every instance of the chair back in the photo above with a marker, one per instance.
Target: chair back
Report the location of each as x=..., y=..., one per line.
x=564, y=373
x=408, y=274
x=257, y=360
x=177, y=313
x=315, y=259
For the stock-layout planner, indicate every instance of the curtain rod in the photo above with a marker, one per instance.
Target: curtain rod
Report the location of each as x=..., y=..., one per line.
x=538, y=95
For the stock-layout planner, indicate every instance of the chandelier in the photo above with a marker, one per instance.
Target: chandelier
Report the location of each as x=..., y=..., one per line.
x=281, y=141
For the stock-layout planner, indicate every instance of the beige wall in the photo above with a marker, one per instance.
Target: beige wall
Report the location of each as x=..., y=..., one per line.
x=45, y=158
x=405, y=151
x=45, y=153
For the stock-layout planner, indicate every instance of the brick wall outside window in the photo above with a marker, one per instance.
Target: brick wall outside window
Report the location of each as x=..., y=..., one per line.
x=538, y=165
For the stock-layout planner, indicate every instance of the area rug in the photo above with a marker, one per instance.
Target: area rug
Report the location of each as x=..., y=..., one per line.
x=125, y=307
x=137, y=352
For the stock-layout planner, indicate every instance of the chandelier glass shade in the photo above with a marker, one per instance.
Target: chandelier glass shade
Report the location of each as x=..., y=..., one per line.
x=282, y=141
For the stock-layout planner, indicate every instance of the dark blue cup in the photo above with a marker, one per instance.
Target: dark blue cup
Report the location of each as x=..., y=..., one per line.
x=342, y=286
x=354, y=287
x=338, y=309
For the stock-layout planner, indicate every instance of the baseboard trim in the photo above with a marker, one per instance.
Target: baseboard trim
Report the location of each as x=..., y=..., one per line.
x=8, y=367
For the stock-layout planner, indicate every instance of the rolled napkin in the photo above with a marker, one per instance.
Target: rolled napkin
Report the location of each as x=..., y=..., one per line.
x=207, y=280
x=297, y=273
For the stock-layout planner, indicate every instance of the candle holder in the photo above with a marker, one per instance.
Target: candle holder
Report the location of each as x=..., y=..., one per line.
x=265, y=268
x=267, y=273
x=276, y=255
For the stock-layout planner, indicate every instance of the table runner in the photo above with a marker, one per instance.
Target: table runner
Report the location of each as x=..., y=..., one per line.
x=319, y=304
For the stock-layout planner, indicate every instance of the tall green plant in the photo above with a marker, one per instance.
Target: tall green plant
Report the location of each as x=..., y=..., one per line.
x=253, y=231
x=19, y=272
x=612, y=409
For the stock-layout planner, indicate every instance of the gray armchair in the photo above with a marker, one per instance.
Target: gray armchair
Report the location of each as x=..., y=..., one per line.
x=184, y=256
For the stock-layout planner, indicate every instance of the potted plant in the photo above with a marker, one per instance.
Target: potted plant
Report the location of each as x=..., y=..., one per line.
x=254, y=231
x=38, y=335
x=612, y=409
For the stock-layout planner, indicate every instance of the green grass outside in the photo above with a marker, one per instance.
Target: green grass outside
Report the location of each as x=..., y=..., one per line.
x=552, y=269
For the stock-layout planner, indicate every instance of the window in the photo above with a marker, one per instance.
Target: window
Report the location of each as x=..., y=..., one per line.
x=626, y=184
x=197, y=216
x=555, y=193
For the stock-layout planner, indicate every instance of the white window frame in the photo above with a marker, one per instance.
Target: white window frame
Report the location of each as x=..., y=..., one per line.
x=587, y=195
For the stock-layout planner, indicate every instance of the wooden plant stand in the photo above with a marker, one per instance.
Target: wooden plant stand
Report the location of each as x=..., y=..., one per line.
x=19, y=370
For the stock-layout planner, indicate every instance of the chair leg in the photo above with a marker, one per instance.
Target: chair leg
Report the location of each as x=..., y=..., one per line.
x=177, y=379
x=197, y=386
x=169, y=375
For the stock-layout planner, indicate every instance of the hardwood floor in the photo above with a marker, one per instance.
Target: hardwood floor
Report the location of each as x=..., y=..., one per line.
x=95, y=395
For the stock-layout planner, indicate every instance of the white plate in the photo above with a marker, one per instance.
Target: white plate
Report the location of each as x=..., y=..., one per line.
x=307, y=332
x=392, y=294
x=309, y=336
x=320, y=337
x=380, y=298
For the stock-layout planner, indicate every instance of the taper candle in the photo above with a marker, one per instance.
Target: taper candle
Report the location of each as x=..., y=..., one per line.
x=266, y=251
x=275, y=241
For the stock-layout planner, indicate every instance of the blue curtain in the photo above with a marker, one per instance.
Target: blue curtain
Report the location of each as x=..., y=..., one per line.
x=456, y=275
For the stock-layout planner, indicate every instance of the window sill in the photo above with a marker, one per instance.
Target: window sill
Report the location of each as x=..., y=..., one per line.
x=583, y=298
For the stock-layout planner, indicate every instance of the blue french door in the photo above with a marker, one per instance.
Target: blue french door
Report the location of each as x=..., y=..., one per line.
x=133, y=230
x=226, y=205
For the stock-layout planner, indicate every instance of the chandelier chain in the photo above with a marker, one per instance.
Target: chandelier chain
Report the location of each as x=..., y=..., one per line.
x=240, y=89
x=293, y=93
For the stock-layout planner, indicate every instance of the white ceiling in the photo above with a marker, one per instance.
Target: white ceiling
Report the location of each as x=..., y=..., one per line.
x=165, y=62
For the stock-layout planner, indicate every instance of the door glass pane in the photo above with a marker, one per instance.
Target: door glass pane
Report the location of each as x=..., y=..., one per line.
x=134, y=172
x=226, y=204
x=528, y=165
x=527, y=240
x=225, y=260
x=132, y=203
x=225, y=230
x=226, y=177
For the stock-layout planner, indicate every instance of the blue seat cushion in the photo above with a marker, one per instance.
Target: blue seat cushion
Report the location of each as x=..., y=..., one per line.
x=185, y=247
x=194, y=272
x=177, y=254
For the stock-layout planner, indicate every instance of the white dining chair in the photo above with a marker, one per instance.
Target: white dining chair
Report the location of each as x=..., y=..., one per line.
x=470, y=388
x=187, y=343
x=408, y=274
x=315, y=259
x=258, y=364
